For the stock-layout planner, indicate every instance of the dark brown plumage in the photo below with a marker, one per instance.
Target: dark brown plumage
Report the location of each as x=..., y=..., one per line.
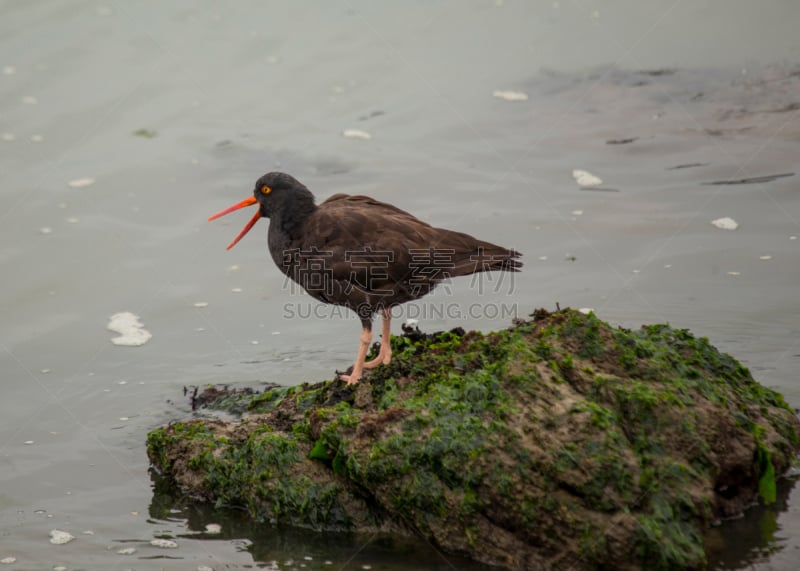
x=363, y=254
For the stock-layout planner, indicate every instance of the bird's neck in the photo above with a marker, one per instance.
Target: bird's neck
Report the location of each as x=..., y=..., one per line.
x=291, y=221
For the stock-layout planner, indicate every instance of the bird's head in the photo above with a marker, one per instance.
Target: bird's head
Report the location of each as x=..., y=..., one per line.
x=272, y=192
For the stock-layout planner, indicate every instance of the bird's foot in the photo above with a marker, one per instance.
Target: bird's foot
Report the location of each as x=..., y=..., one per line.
x=350, y=379
x=383, y=358
x=379, y=360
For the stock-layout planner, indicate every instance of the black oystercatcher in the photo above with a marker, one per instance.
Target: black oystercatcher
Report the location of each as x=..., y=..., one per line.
x=361, y=253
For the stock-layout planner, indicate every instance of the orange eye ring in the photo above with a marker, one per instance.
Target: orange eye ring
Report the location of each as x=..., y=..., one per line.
x=265, y=189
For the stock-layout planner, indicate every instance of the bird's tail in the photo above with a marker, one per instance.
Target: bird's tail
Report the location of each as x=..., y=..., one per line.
x=486, y=257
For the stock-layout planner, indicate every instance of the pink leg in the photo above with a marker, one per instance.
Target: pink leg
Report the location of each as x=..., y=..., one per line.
x=358, y=367
x=385, y=353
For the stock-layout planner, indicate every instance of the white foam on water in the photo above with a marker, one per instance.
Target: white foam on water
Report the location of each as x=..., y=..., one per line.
x=585, y=178
x=356, y=134
x=164, y=543
x=509, y=95
x=725, y=223
x=58, y=537
x=131, y=331
x=81, y=182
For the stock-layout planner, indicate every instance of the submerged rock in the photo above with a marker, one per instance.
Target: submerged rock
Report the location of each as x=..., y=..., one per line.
x=559, y=443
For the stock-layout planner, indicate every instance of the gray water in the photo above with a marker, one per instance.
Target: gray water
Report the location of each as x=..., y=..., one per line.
x=175, y=108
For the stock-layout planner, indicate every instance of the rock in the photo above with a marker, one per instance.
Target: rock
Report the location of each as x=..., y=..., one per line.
x=559, y=443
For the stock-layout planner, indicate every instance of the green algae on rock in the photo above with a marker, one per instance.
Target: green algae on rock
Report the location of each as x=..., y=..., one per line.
x=559, y=443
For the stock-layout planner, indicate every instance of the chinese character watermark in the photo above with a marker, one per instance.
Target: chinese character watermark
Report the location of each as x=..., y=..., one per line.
x=375, y=271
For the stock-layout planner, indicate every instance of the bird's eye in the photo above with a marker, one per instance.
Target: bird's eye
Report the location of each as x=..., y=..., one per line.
x=265, y=189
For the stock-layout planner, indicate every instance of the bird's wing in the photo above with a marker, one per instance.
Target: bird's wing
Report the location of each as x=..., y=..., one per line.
x=375, y=207
x=369, y=243
x=381, y=247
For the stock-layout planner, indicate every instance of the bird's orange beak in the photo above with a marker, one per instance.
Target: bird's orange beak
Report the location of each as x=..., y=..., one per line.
x=246, y=202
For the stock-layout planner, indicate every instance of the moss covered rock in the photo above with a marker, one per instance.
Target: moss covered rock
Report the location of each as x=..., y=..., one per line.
x=559, y=443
